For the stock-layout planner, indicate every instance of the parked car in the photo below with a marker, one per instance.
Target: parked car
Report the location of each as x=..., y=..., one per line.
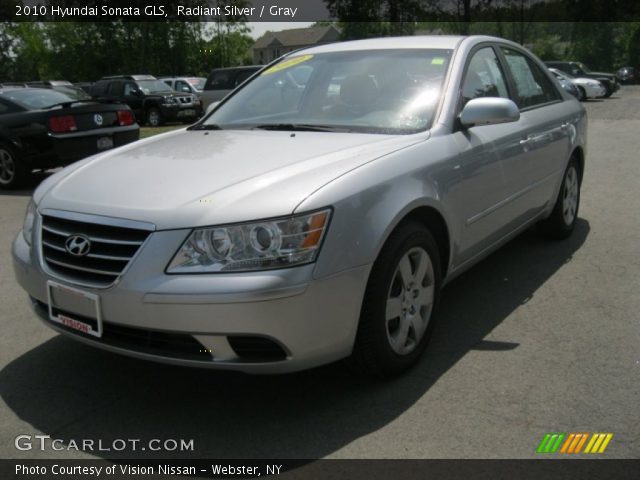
x=45, y=128
x=587, y=87
x=288, y=228
x=152, y=100
x=62, y=86
x=578, y=69
x=185, y=84
x=221, y=81
x=628, y=75
x=568, y=86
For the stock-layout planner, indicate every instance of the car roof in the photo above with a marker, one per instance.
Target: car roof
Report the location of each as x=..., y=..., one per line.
x=22, y=89
x=129, y=77
x=415, y=41
x=52, y=83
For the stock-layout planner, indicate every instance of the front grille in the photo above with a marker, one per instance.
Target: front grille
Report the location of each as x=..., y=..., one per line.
x=111, y=249
x=186, y=99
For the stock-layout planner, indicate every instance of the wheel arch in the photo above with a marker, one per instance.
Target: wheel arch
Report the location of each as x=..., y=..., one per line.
x=578, y=154
x=435, y=221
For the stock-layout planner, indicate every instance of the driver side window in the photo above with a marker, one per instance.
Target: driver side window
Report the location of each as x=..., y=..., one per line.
x=484, y=77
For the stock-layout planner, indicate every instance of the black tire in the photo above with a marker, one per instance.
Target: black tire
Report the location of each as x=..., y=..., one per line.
x=583, y=94
x=154, y=117
x=373, y=353
x=13, y=173
x=559, y=225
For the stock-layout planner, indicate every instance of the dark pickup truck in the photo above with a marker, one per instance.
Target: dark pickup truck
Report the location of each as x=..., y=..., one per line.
x=152, y=100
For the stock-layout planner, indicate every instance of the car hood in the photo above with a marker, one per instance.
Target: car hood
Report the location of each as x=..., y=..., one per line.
x=194, y=178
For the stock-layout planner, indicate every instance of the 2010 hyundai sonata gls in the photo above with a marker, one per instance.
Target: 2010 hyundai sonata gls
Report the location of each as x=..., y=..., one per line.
x=315, y=214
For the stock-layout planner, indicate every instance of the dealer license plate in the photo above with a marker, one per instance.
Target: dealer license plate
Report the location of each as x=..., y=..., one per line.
x=187, y=113
x=62, y=299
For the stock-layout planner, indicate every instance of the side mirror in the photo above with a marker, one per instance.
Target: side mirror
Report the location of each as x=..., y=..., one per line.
x=489, y=111
x=210, y=108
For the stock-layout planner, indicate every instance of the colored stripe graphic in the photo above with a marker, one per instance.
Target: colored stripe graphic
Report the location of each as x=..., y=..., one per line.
x=574, y=443
x=598, y=443
x=550, y=443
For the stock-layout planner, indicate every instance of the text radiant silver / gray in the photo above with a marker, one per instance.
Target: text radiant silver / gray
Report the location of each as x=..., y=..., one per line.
x=314, y=214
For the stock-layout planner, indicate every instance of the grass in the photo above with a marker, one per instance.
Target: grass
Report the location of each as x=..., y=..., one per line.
x=151, y=131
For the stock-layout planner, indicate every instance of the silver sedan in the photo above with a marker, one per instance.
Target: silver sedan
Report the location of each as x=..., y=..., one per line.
x=315, y=214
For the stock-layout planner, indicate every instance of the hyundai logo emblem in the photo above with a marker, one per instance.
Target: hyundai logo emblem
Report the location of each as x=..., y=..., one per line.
x=77, y=245
x=98, y=119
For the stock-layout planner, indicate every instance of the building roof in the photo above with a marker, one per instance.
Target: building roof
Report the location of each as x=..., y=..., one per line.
x=293, y=37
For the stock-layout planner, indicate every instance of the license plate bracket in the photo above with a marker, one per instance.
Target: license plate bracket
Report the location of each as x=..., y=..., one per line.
x=104, y=143
x=90, y=301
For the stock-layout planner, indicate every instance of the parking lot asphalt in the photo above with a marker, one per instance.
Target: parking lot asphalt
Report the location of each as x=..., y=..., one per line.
x=539, y=337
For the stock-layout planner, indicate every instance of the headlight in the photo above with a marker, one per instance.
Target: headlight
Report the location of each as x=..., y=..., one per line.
x=262, y=245
x=27, y=225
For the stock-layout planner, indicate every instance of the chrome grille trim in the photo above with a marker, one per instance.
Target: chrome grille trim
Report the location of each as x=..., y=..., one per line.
x=91, y=237
x=114, y=243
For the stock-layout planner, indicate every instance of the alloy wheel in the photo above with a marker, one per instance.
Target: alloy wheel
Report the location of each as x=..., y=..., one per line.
x=410, y=301
x=570, y=197
x=7, y=167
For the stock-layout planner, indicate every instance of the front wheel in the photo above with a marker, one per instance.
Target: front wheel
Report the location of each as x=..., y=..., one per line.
x=583, y=94
x=562, y=220
x=402, y=294
x=154, y=117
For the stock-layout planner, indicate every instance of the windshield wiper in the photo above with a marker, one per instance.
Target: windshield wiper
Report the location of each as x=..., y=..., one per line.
x=299, y=127
x=205, y=126
x=69, y=103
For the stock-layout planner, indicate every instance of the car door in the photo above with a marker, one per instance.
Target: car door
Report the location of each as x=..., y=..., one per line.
x=545, y=123
x=134, y=98
x=479, y=195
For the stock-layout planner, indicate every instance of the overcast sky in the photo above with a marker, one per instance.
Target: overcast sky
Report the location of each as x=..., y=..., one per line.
x=258, y=28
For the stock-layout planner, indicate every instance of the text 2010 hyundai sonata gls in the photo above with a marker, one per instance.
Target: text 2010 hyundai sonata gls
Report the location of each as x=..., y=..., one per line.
x=315, y=214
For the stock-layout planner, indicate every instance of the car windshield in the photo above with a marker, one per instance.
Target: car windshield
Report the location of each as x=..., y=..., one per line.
x=197, y=82
x=376, y=91
x=34, y=98
x=153, y=86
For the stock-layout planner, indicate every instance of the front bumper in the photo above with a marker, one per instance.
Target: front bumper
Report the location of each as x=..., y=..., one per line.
x=595, y=92
x=146, y=312
x=184, y=111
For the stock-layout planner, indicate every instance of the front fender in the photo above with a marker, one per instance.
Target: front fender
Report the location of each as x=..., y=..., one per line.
x=373, y=200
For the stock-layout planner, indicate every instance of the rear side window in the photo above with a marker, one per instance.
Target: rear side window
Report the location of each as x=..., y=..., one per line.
x=533, y=87
x=99, y=89
x=242, y=76
x=115, y=89
x=220, y=80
